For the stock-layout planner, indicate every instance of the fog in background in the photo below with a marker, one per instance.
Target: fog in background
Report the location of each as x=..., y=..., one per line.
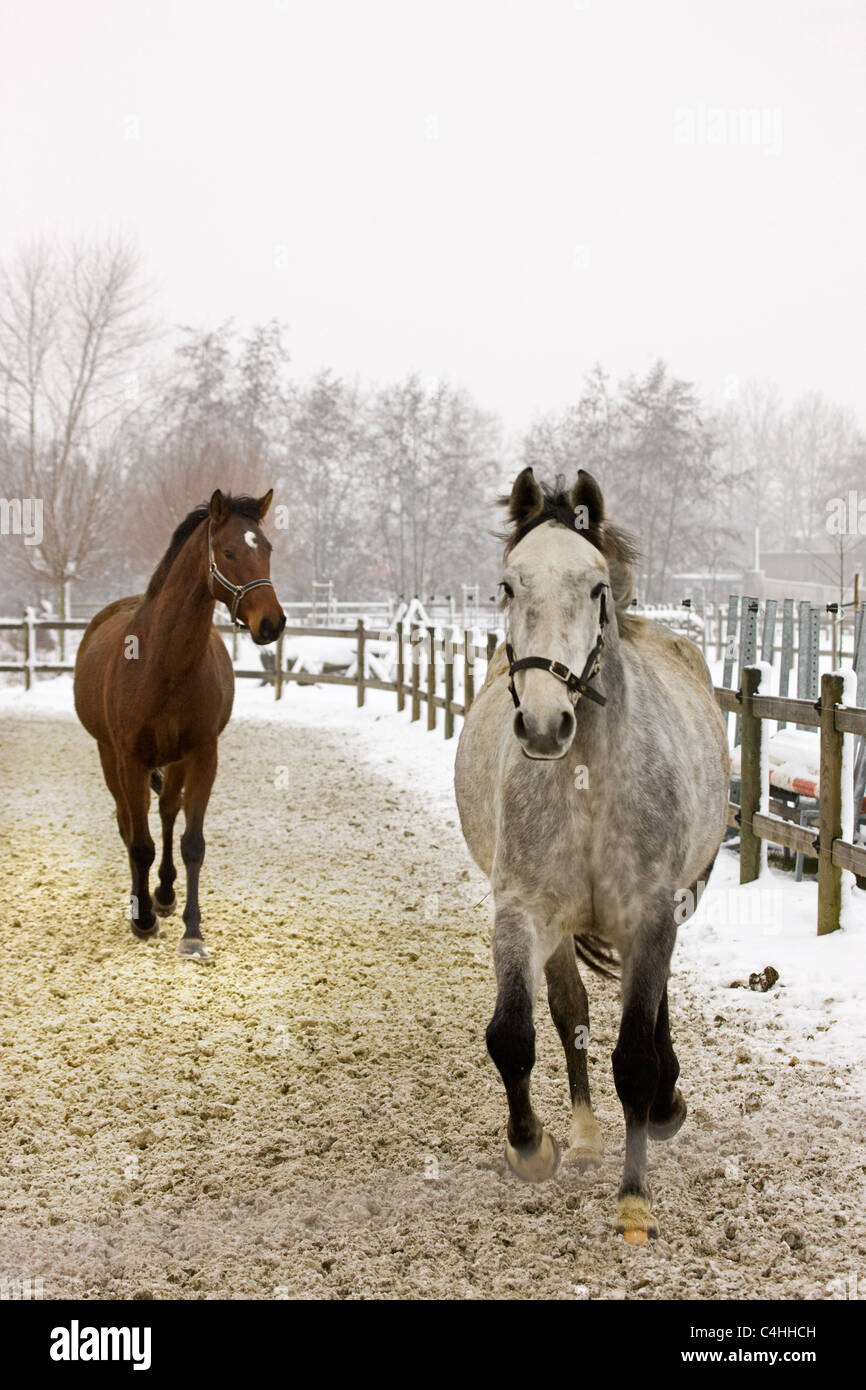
x=381, y=255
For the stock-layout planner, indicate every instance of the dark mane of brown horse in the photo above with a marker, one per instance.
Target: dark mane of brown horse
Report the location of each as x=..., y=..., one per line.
x=238, y=506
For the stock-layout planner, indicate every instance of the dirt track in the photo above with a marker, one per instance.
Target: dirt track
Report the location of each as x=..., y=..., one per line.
x=314, y=1112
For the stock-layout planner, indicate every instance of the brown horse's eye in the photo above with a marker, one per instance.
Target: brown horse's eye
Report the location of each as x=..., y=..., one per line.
x=229, y=554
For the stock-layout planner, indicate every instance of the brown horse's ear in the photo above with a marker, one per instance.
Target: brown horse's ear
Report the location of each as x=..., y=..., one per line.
x=587, y=500
x=218, y=509
x=264, y=503
x=526, y=499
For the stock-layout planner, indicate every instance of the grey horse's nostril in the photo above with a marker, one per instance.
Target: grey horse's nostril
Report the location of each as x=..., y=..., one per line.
x=565, y=732
x=520, y=727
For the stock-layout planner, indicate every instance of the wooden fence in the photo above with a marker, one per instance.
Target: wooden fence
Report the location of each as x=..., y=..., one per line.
x=834, y=853
x=420, y=653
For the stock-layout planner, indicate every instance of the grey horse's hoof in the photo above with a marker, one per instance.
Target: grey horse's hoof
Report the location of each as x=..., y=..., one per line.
x=669, y=1125
x=192, y=948
x=164, y=909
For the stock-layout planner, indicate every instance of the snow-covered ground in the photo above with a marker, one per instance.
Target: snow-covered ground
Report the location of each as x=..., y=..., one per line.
x=814, y=1012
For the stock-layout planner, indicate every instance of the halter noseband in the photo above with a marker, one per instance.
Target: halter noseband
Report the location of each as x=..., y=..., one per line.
x=237, y=590
x=575, y=685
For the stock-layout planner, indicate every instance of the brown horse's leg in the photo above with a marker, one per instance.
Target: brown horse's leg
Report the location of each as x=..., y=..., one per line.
x=112, y=781
x=108, y=758
x=199, y=772
x=532, y=1153
x=569, y=1009
x=135, y=781
x=164, y=899
x=636, y=1063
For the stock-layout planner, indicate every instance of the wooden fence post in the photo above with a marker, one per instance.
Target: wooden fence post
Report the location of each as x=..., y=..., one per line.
x=360, y=672
x=431, y=680
x=468, y=669
x=278, y=669
x=830, y=806
x=750, y=777
x=401, y=674
x=29, y=648
x=448, y=654
x=415, y=644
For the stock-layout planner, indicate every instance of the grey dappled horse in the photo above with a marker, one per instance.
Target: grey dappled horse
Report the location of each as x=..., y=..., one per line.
x=592, y=784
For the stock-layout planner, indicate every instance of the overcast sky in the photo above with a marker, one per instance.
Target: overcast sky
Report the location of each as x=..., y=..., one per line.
x=499, y=193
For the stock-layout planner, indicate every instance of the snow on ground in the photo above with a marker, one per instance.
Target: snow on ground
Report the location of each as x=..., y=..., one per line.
x=815, y=1011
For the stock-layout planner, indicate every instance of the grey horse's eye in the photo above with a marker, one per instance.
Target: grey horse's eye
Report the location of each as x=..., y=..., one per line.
x=597, y=591
x=507, y=589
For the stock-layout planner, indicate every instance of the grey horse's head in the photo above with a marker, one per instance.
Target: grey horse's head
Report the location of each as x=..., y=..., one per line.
x=565, y=570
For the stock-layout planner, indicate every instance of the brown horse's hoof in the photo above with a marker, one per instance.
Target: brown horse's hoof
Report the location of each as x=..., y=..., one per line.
x=192, y=948
x=144, y=933
x=537, y=1166
x=164, y=909
x=667, y=1126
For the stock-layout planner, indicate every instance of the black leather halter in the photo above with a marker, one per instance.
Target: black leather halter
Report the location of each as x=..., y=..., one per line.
x=575, y=685
x=236, y=590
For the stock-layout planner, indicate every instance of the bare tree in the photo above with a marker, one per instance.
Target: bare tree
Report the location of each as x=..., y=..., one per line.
x=73, y=325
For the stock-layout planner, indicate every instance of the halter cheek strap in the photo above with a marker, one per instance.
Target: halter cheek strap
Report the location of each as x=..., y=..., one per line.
x=236, y=590
x=575, y=685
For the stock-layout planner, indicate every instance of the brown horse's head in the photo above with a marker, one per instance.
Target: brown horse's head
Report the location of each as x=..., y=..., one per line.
x=240, y=560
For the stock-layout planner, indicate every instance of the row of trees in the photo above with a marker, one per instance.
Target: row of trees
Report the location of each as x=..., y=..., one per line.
x=386, y=490
x=695, y=484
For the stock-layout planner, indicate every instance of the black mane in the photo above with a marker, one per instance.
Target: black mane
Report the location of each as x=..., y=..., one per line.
x=614, y=543
x=244, y=506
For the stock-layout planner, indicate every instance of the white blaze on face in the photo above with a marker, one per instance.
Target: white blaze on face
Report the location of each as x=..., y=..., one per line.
x=250, y=538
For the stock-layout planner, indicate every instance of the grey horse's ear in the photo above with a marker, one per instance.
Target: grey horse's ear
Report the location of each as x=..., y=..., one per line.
x=587, y=500
x=526, y=499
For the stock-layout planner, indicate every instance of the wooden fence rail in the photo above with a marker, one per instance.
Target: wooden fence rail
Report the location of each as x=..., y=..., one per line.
x=431, y=649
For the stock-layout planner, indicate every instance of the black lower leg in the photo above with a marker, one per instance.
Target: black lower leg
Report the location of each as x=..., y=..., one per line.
x=192, y=851
x=511, y=1044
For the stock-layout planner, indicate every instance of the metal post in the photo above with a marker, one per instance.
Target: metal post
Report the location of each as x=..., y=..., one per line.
x=748, y=645
x=768, y=640
x=787, y=658
x=730, y=640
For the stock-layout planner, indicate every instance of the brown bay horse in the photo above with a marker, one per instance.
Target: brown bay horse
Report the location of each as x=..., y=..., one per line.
x=154, y=685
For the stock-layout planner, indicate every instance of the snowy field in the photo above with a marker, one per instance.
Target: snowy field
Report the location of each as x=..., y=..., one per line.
x=314, y=1112
x=819, y=1003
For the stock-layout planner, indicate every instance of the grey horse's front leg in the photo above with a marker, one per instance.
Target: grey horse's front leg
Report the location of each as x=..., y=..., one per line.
x=569, y=1009
x=518, y=958
x=637, y=1069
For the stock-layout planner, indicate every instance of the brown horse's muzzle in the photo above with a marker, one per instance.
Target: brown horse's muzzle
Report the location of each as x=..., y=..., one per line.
x=264, y=616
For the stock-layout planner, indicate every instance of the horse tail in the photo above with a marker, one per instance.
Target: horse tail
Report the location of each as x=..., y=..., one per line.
x=157, y=777
x=600, y=957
